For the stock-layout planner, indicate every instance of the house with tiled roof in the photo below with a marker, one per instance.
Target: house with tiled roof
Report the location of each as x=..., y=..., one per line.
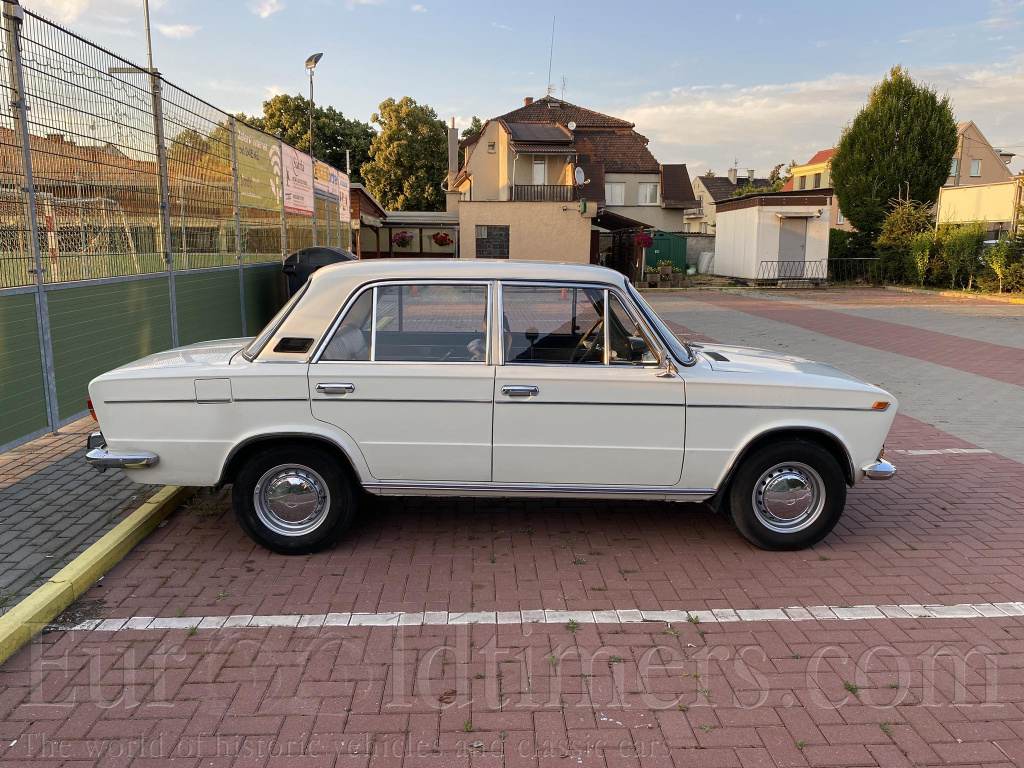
x=709, y=191
x=816, y=173
x=518, y=184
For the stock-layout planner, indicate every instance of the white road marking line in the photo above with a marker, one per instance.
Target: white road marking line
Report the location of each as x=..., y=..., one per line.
x=445, y=618
x=935, y=451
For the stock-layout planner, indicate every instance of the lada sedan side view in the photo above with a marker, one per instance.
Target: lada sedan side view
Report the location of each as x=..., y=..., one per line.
x=494, y=379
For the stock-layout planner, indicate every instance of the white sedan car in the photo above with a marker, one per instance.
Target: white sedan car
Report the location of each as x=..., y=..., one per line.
x=489, y=378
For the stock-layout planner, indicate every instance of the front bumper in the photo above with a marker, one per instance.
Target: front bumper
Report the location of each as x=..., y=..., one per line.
x=879, y=470
x=103, y=458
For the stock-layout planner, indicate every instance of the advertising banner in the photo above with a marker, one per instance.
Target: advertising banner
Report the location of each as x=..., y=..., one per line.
x=334, y=183
x=298, y=181
x=259, y=168
x=344, y=205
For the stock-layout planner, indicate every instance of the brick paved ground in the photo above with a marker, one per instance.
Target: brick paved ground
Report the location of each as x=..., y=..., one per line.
x=819, y=692
x=53, y=506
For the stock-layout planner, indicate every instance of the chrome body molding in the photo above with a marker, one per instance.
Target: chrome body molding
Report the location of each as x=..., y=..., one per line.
x=788, y=407
x=879, y=470
x=412, y=488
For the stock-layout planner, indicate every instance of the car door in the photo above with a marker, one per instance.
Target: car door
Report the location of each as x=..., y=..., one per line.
x=405, y=373
x=576, y=399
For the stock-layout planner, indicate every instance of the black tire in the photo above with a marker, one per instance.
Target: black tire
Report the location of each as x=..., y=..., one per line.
x=793, y=462
x=329, y=498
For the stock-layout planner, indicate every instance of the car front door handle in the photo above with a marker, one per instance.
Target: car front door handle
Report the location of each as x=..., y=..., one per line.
x=520, y=390
x=336, y=389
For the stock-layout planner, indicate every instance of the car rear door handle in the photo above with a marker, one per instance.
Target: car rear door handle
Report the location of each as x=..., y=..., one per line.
x=336, y=389
x=520, y=390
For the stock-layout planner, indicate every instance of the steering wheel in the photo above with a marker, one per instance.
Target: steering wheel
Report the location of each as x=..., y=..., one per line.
x=582, y=345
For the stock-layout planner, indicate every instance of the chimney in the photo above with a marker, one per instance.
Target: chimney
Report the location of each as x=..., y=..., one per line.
x=528, y=101
x=750, y=175
x=732, y=175
x=452, y=197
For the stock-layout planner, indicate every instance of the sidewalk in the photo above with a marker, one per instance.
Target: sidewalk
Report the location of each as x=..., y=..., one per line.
x=52, y=506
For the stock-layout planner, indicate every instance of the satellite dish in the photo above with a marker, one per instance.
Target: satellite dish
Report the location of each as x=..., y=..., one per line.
x=579, y=176
x=571, y=126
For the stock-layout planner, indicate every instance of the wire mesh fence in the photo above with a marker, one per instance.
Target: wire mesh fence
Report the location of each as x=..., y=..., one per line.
x=131, y=174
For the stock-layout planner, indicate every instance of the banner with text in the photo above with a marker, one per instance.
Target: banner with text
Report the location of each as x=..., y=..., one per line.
x=298, y=181
x=259, y=168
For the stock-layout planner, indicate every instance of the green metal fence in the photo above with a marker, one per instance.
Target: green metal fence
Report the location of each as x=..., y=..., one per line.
x=134, y=217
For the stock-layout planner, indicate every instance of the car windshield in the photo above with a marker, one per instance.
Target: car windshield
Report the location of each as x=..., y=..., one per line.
x=260, y=341
x=680, y=349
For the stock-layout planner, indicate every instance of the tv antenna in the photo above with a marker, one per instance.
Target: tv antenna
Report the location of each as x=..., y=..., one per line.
x=551, y=56
x=563, y=87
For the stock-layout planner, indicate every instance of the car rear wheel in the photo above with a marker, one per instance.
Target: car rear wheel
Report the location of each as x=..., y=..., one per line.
x=293, y=500
x=789, y=495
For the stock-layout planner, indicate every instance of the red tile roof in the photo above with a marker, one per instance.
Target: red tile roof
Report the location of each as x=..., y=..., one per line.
x=822, y=156
x=552, y=110
x=620, y=151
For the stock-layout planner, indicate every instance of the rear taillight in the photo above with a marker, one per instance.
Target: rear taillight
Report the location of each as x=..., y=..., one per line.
x=92, y=411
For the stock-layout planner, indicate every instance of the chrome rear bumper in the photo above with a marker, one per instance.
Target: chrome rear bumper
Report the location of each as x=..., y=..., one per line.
x=879, y=470
x=103, y=458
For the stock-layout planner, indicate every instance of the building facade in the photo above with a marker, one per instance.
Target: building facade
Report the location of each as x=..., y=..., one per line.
x=710, y=191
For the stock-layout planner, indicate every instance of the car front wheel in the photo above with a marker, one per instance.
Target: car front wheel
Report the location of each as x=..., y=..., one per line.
x=788, y=495
x=293, y=500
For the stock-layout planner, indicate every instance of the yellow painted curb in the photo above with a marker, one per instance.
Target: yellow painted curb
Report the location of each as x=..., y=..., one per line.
x=28, y=617
x=1003, y=298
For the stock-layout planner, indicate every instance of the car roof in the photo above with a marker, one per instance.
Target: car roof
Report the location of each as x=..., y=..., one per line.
x=330, y=287
x=439, y=269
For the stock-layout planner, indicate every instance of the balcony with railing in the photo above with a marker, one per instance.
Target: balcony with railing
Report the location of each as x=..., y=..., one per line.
x=694, y=213
x=544, y=193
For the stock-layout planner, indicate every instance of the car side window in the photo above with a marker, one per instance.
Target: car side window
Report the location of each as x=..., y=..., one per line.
x=553, y=324
x=628, y=343
x=351, y=341
x=435, y=323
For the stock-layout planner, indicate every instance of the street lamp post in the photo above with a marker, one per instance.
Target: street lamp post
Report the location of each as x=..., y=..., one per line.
x=311, y=63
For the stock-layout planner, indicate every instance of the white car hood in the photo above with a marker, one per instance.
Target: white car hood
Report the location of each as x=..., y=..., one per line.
x=753, y=360
x=205, y=353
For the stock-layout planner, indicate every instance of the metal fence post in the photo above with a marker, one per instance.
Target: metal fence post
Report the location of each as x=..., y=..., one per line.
x=284, y=216
x=14, y=15
x=238, y=220
x=164, y=227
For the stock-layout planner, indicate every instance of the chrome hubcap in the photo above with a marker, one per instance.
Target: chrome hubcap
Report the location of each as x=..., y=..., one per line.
x=291, y=500
x=789, y=497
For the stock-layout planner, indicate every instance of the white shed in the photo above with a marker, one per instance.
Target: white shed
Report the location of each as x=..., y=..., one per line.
x=773, y=235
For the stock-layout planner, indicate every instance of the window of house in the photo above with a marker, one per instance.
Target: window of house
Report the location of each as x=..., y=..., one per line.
x=647, y=193
x=801, y=182
x=817, y=181
x=542, y=327
x=703, y=227
x=952, y=167
x=490, y=147
x=975, y=167
x=615, y=193
x=540, y=174
x=492, y=242
x=430, y=323
x=840, y=219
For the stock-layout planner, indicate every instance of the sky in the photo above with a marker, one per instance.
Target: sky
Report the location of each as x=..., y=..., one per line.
x=710, y=84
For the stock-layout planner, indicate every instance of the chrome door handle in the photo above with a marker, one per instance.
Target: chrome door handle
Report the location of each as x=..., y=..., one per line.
x=336, y=389
x=520, y=390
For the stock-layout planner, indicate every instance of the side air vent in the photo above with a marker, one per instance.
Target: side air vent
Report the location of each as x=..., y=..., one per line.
x=716, y=356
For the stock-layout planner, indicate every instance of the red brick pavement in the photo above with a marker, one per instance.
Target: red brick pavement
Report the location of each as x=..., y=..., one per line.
x=993, y=361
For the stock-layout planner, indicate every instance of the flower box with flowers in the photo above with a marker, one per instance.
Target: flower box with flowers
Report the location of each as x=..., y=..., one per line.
x=441, y=239
x=402, y=239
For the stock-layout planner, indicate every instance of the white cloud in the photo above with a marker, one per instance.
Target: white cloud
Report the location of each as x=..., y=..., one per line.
x=351, y=4
x=266, y=8
x=63, y=11
x=178, y=31
x=775, y=122
x=507, y=28
x=418, y=8
x=274, y=90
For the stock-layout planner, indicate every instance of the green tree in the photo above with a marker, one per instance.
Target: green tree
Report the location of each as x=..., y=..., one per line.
x=899, y=145
x=408, y=158
x=708, y=174
x=288, y=117
x=475, y=126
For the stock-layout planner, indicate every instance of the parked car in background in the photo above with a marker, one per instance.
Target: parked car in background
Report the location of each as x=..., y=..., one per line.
x=496, y=379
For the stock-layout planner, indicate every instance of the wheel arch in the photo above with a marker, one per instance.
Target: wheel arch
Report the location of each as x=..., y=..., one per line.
x=241, y=452
x=830, y=441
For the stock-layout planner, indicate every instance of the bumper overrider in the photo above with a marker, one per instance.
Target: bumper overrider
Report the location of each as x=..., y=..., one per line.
x=103, y=458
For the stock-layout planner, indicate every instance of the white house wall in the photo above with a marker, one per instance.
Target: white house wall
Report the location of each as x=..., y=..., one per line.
x=748, y=236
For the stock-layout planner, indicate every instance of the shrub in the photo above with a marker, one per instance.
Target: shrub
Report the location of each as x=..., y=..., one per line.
x=961, y=251
x=1006, y=258
x=906, y=220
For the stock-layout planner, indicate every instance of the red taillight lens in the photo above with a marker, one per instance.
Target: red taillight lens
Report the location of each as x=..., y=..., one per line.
x=92, y=411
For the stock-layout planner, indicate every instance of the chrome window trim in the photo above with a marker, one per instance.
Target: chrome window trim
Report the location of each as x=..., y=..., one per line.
x=660, y=348
x=691, y=361
x=373, y=285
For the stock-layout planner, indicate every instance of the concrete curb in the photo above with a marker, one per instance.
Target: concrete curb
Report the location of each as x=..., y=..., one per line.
x=957, y=294
x=28, y=617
